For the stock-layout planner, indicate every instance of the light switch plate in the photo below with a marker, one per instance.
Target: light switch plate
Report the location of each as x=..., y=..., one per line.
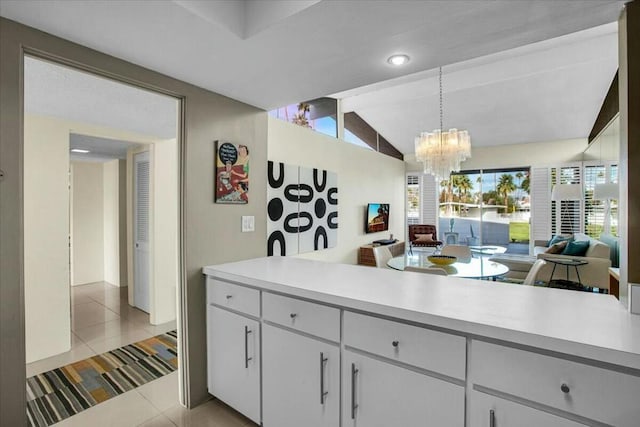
x=248, y=223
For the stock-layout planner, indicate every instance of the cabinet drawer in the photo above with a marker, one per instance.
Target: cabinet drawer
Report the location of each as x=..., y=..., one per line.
x=488, y=411
x=600, y=394
x=431, y=350
x=239, y=298
x=314, y=319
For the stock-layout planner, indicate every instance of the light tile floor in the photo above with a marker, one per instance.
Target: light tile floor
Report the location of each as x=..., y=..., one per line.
x=101, y=320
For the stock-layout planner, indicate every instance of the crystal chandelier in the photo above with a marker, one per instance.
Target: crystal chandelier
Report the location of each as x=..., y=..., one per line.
x=441, y=152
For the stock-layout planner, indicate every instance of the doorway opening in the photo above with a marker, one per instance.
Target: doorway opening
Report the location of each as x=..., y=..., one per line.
x=85, y=212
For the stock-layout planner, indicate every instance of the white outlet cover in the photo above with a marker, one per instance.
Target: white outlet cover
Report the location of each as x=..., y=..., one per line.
x=248, y=223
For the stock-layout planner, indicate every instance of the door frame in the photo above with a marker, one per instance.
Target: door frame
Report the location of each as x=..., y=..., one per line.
x=181, y=309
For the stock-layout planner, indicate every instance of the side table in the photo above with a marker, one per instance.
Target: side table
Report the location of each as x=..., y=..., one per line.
x=575, y=263
x=365, y=253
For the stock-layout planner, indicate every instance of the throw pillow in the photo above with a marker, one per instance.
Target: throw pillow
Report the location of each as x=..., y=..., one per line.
x=557, y=248
x=558, y=238
x=576, y=248
x=424, y=238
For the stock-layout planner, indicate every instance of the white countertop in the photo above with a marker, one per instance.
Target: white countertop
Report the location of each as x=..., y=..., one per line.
x=593, y=326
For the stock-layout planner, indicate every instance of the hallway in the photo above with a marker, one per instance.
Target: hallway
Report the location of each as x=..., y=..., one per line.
x=102, y=320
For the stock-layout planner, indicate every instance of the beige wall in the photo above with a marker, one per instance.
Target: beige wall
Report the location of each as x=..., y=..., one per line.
x=506, y=156
x=111, y=221
x=46, y=240
x=164, y=231
x=122, y=219
x=363, y=176
x=88, y=223
x=207, y=117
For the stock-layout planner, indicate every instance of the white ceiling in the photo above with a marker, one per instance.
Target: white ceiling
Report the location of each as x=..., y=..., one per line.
x=274, y=53
x=55, y=90
x=550, y=90
x=100, y=149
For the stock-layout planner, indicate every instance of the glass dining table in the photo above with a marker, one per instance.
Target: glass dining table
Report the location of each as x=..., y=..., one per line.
x=476, y=268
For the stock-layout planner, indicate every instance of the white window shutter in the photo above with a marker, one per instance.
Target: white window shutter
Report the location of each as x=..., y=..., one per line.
x=540, y=190
x=413, y=190
x=429, y=200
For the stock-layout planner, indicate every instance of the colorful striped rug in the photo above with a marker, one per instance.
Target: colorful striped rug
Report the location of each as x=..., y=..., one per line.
x=60, y=393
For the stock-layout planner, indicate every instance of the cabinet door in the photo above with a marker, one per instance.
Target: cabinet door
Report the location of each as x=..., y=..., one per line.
x=233, y=361
x=379, y=394
x=301, y=380
x=491, y=411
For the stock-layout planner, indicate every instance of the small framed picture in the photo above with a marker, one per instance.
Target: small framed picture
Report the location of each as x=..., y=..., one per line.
x=231, y=173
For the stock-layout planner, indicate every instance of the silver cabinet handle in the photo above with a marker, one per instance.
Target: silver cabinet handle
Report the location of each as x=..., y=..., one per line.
x=229, y=296
x=293, y=315
x=565, y=388
x=395, y=343
x=247, y=331
x=492, y=418
x=323, y=393
x=354, y=405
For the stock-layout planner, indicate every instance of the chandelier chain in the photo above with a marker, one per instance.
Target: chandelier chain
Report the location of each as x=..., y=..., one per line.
x=440, y=80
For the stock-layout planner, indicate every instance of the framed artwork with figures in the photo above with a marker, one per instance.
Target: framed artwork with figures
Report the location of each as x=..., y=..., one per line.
x=231, y=173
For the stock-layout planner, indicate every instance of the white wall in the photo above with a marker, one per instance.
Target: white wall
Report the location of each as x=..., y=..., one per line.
x=530, y=154
x=364, y=176
x=46, y=238
x=47, y=227
x=164, y=235
x=111, y=213
x=88, y=225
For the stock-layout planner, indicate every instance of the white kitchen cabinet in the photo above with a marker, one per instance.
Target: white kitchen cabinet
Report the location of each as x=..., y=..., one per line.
x=380, y=394
x=301, y=380
x=595, y=393
x=233, y=360
x=491, y=411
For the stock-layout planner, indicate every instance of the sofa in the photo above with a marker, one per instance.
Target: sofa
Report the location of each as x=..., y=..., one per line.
x=595, y=273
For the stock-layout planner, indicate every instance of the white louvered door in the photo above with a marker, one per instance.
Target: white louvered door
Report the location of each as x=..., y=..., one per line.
x=141, y=231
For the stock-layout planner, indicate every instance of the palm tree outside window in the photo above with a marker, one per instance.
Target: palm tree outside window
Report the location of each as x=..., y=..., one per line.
x=492, y=204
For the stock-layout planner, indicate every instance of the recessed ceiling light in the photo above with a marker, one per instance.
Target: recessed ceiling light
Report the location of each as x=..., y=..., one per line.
x=79, y=150
x=398, y=59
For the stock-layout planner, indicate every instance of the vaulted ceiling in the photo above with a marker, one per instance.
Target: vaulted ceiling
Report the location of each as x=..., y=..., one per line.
x=273, y=53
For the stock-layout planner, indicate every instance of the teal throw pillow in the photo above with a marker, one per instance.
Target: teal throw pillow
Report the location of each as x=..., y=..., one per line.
x=556, y=239
x=576, y=248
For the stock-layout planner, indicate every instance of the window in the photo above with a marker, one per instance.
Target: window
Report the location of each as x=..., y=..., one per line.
x=413, y=199
x=566, y=214
x=597, y=212
x=359, y=132
x=593, y=209
x=490, y=207
x=318, y=114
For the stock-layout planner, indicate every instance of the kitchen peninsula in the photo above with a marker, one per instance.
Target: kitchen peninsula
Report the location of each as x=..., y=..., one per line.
x=296, y=342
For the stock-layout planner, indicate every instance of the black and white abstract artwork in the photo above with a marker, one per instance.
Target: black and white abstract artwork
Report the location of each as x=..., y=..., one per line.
x=302, y=209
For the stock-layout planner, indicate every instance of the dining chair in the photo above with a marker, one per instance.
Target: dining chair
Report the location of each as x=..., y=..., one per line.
x=462, y=252
x=427, y=270
x=382, y=254
x=530, y=280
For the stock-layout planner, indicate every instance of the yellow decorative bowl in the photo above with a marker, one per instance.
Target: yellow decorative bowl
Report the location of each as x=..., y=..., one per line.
x=442, y=259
